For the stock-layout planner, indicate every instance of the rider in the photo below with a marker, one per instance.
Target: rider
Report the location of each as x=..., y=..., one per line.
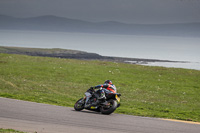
x=106, y=88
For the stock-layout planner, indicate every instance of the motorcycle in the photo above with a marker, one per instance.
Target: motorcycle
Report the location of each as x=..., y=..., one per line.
x=107, y=106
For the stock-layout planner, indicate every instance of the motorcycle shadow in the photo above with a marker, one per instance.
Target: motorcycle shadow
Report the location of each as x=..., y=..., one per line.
x=89, y=112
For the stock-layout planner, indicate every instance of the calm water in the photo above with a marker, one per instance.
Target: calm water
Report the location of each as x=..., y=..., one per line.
x=149, y=47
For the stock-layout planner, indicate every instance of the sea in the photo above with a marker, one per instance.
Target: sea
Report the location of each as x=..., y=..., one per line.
x=171, y=48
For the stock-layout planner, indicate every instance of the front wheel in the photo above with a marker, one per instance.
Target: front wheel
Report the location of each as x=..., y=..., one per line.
x=79, y=105
x=109, y=108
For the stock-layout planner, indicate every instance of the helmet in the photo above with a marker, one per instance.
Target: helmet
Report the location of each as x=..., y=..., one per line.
x=108, y=82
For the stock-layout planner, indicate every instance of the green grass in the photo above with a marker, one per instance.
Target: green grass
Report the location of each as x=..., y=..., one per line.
x=146, y=91
x=9, y=131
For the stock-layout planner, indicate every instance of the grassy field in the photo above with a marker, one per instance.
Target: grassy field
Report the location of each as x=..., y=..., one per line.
x=9, y=131
x=146, y=91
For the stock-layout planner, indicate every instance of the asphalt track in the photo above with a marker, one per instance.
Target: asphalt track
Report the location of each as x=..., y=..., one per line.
x=43, y=118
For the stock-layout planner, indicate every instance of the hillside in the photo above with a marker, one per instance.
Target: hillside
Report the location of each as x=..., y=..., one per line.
x=55, y=52
x=53, y=23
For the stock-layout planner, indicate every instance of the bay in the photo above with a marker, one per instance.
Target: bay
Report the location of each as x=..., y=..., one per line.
x=147, y=47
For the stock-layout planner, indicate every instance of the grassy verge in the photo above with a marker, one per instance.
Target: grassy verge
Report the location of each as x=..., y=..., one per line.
x=146, y=91
x=9, y=131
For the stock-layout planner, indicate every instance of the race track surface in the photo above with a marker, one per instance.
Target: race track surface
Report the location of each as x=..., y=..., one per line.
x=42, y=118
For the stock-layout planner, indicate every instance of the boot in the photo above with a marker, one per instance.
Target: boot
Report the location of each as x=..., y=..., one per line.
x=102, y=97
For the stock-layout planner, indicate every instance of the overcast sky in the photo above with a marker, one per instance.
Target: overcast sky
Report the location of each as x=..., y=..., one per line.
x=129, y=11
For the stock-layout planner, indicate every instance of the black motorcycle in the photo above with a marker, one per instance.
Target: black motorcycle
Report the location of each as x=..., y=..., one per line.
x=106, y=106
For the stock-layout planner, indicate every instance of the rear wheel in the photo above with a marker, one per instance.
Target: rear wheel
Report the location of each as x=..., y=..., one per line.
x=79, y=105
x=109, y=108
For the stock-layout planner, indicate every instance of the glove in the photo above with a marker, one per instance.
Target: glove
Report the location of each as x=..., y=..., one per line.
x=91, y=88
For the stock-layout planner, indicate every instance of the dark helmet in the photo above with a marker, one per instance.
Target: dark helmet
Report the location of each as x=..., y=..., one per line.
x=108, y=82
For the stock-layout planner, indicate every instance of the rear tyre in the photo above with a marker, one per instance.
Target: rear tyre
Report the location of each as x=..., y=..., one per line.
x=79, y=105
x=110, y=108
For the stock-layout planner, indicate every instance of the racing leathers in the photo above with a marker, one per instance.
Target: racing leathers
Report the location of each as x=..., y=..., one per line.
x=104, y=89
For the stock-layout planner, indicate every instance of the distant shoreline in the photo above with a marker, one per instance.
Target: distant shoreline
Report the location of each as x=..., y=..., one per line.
x=75, y=54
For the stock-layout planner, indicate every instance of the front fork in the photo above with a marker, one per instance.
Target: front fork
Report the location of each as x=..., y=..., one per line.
x=87, y=97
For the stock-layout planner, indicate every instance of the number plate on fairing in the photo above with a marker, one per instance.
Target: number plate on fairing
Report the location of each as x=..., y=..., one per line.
x=118, y=99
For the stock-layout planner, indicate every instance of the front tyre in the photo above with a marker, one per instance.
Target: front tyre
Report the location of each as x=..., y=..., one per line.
x=109, y=108
x=79, y=105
